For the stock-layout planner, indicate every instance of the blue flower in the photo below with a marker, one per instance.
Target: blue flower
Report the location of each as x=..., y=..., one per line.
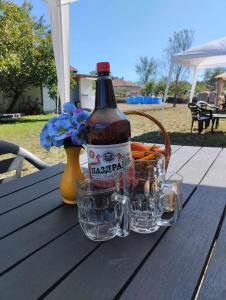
x=60, y=127
x=69, y=107
x=45, y=140
x=58, y=143
x=78, y=137
x=80, y=117
x=70, y=124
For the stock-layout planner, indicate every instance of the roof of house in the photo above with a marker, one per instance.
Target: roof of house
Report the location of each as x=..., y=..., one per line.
x=77, y=75
x=74, y=70
x=124, y=83
x=116, y=82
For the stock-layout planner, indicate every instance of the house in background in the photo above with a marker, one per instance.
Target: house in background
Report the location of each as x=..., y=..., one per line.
x=83, y=95
x=125, y=88
x=36, y=100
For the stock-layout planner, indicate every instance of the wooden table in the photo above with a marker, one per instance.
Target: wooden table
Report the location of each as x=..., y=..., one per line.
x=44, y=254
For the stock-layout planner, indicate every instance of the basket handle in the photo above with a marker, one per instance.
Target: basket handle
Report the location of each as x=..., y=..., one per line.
x=166, y=138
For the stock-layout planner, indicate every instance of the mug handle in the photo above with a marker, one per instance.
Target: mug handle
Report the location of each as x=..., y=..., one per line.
x=171, y=190
x=123, y=216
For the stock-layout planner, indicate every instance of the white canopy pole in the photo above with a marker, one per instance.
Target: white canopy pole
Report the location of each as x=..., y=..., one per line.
x=168, y=81
x=167, y=88
x=60, y=20
x=194, y=81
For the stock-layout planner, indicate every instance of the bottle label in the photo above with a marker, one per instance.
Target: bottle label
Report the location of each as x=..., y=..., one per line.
x=105, y=161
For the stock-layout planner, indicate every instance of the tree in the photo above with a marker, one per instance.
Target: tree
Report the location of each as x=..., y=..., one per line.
x=146, y=68
x=93, y=72
x=117, y=77
x=149, y=87
x=201, y=87
x=179, y=42
x=26, y=53
x=160, y=87
x=182, y=88
x=210, y=77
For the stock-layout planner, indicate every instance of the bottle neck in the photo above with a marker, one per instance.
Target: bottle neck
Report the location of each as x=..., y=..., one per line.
x=105, y=96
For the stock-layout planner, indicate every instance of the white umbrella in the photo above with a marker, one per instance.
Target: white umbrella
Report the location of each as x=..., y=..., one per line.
x=210, y=55
x=59, y=14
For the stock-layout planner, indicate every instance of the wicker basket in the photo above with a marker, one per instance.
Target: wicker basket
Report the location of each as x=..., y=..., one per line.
x=166, y=139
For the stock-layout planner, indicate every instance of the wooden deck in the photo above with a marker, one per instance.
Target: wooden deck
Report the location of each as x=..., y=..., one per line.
x=44, y=254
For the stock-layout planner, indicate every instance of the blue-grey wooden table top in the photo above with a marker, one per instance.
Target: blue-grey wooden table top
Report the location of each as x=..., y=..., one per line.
x=44, y=254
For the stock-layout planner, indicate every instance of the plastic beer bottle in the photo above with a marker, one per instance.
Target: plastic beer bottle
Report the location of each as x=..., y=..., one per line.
x=108, y=130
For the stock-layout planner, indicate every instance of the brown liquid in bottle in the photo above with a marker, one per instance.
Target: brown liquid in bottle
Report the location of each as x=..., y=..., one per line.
x=106, y=126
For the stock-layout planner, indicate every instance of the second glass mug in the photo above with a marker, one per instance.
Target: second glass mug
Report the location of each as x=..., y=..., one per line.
x=103, y=211
x=173, y=202
x=149, y=194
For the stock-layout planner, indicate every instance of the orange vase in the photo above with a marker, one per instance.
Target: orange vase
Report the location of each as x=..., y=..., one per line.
x=71, y=172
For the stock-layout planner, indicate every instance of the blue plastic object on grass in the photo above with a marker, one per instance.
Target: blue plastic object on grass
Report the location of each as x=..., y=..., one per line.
x=143, y=100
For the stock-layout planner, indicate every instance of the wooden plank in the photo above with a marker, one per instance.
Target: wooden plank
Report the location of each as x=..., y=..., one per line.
x=28, y=194
x=217, y=176
x=33, y=178
x=118, y=258
x=181, y=254
x=104, y=272
x=214, y=283
x=174, y=148
x=181, y=157
x=37, y=273
x=29, y=180
x=25, y=214
x=196, y=168
x=36, y=235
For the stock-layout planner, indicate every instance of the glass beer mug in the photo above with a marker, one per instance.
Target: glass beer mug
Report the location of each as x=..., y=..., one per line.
x=173, y=202
x=103, y=211
x=150, y=197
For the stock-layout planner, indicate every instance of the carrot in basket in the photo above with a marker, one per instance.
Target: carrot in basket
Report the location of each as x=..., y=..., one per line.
x=149, y=156
x=154, y=147
x=160, y=150
x=137, y=146
x=139, y=154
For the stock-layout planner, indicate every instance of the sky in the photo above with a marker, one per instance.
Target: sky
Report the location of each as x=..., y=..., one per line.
x=121, y=31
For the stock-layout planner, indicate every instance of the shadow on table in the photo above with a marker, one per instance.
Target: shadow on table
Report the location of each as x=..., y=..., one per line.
x=218, y=139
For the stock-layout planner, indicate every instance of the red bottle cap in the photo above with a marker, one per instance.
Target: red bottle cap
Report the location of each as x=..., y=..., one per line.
x=103, y=67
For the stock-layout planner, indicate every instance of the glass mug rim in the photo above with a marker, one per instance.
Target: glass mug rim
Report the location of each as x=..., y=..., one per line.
x=169, y=177
x=102, y=189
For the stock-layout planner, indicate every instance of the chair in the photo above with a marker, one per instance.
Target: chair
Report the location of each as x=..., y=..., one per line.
x=16, y=163
x=194, y=113
x=201, y=115
x=214, y=109
x=206, y=105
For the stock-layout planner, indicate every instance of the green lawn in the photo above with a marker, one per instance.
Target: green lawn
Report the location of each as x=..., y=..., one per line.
x=25, y=132
x=177, y=121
